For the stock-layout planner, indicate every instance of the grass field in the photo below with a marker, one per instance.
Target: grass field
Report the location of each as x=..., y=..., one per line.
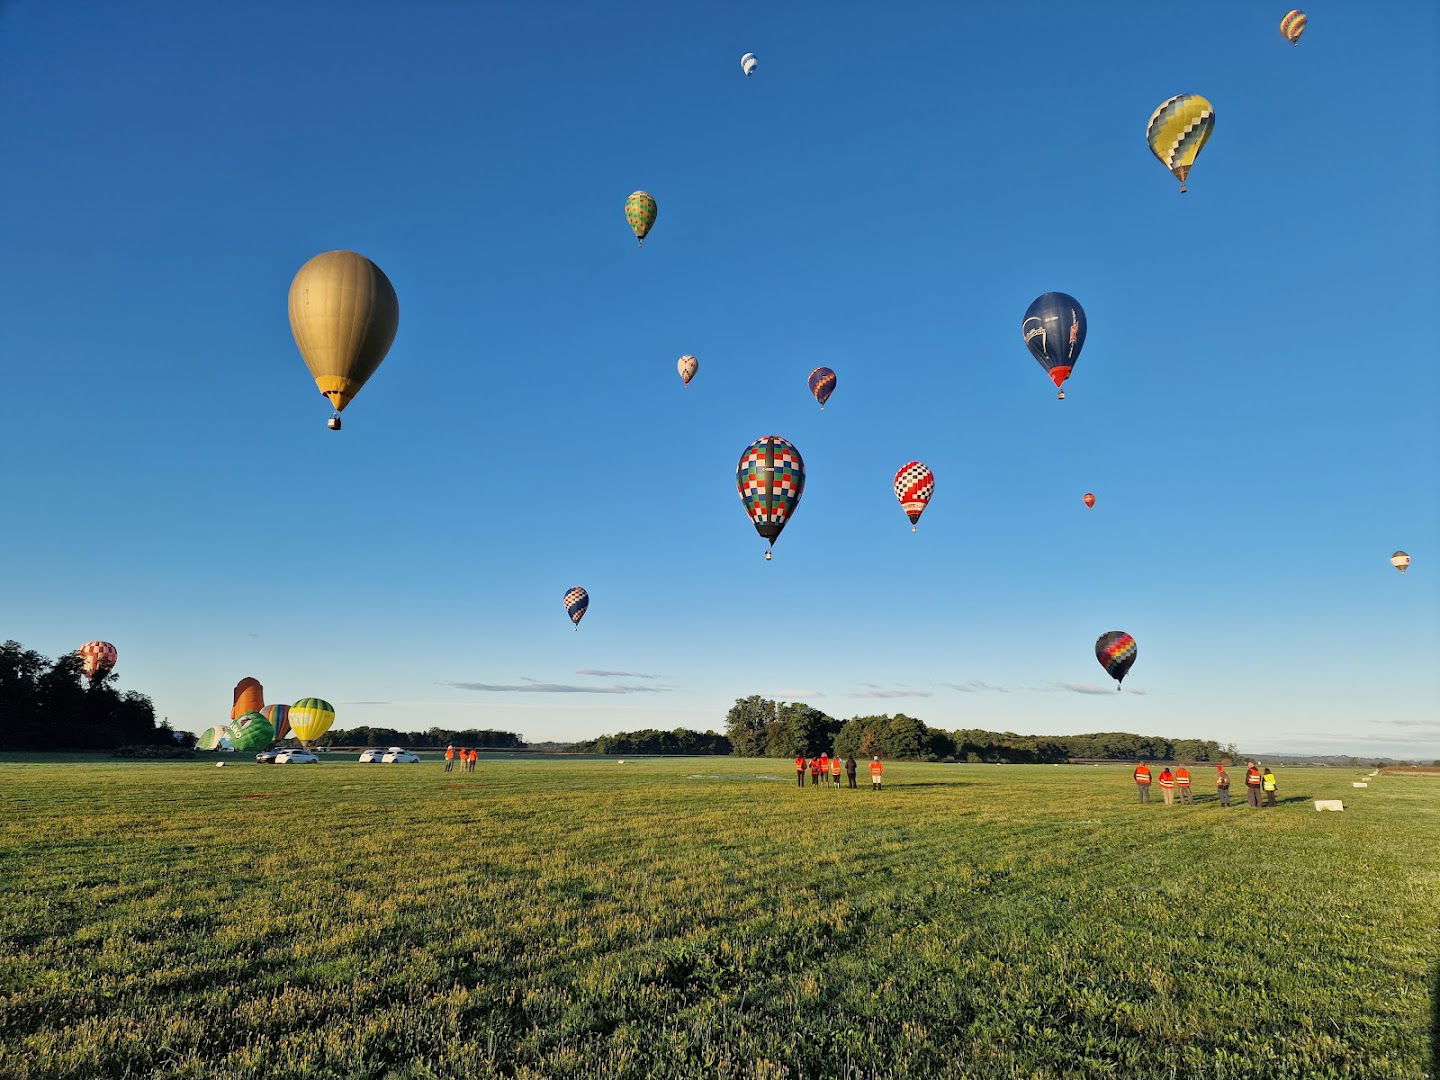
x=562, y=918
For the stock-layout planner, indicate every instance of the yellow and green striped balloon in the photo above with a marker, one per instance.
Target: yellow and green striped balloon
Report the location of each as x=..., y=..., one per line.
x=1177, y=131
x=640, y=211
x=310, y=718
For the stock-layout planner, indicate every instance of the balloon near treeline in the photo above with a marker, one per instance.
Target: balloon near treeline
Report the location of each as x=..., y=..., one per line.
x=251, y=732
x=343, y=314
x=310, y=718
x=770, y=478
x=1054, y=331
x=822, y=384
x=1293, y=25
x=1178, y=130
x=577, y=602
x=249, y=697
x=1116, y=652
x=640, y=212
x=97, y=659
x=210, y=738
x=914, y=485
x=279, y=717
x=687, y=366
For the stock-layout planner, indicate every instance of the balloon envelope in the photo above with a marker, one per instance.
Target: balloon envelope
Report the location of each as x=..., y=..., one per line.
x=279, y=717
x=1089, y=500
x=770, y=478
x=1054, y=331
x=822, y=384
x=249, y=697
x=1400, y=561
x=577, y=602
x=343, y=314
x=251, y=732
x=914, y=485
x=209, y=738
x=310, y=718
x=687, y=366
x=1293, y=25
x=640, y=211
x=748, y=63
x=97, y=659
x=1177, y=130
x=1116, y=652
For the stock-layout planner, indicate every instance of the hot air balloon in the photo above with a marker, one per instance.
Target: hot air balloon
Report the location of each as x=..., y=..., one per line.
x=1089, y=501
x=1116, y=652
x=748, y=64
x=1293, y=25
x=914, y=484
x=1054, y=332
x=279, y=717
x=344, y=314
x=249, y=697
x=770, y=479
x=1400, y=561
x=310, y=718
x=97, y=659
x=577, y=602
x=640, y=211
x=687, y=365
x=1177, y=130
x=209, y=738
x=822, y=384
x=251, y=732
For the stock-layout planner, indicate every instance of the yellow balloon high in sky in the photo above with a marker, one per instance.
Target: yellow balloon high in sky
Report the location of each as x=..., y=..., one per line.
x=344, y=314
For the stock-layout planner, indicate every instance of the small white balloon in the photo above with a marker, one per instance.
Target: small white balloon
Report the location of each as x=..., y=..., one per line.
x=748, y=64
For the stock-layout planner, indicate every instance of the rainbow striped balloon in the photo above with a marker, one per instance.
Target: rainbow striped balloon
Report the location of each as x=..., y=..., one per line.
x=1293, y=25
x=1116, y=652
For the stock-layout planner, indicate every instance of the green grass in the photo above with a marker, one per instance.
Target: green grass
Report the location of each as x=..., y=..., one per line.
x=589, y=919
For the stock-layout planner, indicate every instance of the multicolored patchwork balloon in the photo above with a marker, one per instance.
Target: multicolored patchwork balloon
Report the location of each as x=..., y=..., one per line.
x=251, y=732
x=914, y=484
x=310, y=718
x=97, y=659
x=577, y=602
x=640, y=211
x=1293, y=25
x=1177, y=130
x=687, y=366
x=1089, y=501
x=1116, y=652
x=279, y=717
x=1054, y=332
x=822, y=384
x=770, y=478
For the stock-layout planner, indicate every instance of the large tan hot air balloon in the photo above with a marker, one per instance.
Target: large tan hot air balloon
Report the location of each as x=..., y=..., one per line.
x=343, y=313
x=249, y=697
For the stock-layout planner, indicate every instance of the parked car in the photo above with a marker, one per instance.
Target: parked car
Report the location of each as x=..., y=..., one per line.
x=373, y=755
x=296, y=757
x=267, y=757
x=398, y=755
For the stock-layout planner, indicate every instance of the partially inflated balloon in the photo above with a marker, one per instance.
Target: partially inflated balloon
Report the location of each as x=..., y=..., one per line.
x=1089, y=501
x=770, y=479
x=209, y=738
x=577, y=602
x=310, y=718
x=748, y=64
x=640, y=211
x=344, y=314
x=251, y=732
x=249, y=697
x=1054, y=332
x=279, y=717
x=1293, y=25
x=687, y=366
x=822, y=384
x=1177, y=130
x=914, y=484
x=1116, y=652
x=97, y=659
x=1400, y=561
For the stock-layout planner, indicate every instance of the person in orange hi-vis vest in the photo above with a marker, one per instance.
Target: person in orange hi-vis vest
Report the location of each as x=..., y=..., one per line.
x=1142, y=781
x=1182, y=786
x=1167, y=786
x=876, y=772
x=800, y=770
x=835, y=769
x=1252, y=785
x=1222, y=784
x=814, y=772
x=474, y=757
x=449, y=758
x=824, y=769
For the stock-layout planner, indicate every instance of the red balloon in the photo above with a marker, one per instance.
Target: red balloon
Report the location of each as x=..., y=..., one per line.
x=1090, y=500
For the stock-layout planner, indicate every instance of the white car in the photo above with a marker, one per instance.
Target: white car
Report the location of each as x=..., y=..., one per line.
x=398, y=755
x=374, y=754
x=296, y=757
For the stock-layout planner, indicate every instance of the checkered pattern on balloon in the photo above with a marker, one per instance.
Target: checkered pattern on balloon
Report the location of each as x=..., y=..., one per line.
x=914, y=485
x=770, y=479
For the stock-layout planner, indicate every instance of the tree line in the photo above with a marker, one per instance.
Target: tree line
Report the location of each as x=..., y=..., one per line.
x=49, y=704
x=653, y=741
x=480, y=738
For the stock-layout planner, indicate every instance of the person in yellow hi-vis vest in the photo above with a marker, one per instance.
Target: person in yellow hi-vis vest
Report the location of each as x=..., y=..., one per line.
x=1269, y=785
x=877, y=771
x=835, y=769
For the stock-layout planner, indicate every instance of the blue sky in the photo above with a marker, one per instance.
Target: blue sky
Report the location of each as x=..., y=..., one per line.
x=1256, y=408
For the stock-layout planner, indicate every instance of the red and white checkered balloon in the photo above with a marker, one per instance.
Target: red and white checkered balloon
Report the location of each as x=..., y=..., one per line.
x=914, y=484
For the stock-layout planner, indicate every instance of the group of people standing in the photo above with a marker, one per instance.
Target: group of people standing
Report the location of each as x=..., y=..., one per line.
x=465, y=754
x=825, y=770
x=1258, y=781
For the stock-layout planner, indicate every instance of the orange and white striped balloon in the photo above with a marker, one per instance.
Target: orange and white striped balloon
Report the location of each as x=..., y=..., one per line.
x=97, y=659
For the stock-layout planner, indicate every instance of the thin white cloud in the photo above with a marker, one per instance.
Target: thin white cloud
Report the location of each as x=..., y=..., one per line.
x=797, y=695
x=880, y=693
x=1091, y=688
x=533, y=687
x=601, y=673
x=974, y=686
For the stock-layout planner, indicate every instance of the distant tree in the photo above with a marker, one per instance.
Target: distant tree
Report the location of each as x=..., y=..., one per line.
x=747, y=725
x=46, y=705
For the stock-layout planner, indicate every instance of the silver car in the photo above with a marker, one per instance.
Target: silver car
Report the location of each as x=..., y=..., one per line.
x=398, y=755
x=371, y=756
x=296, y=757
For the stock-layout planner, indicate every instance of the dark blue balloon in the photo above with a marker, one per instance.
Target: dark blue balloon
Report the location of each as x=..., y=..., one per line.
x=1054, y=331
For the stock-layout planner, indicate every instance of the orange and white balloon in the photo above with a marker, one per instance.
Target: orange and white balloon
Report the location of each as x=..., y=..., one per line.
x=687, y=366
x=97, y=659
